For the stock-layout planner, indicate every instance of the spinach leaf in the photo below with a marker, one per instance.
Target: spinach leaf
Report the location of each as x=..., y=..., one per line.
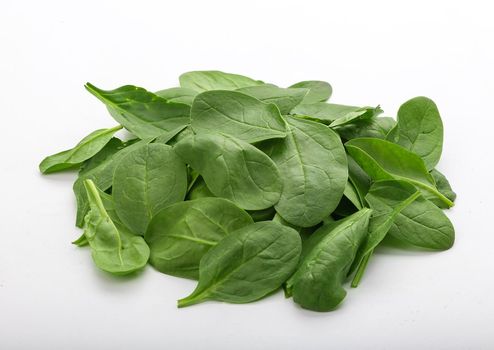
x=420, y=129
x=387, y=198
x=100, y=169
x=247, y=264
x=284, y=99
x=178, y=94
x=182, y=233
x=141, y=112
x=233, y=169
x=327, y=113
x=313, y=167
x=84, y=150
x=236, y=114
x=113, y=248
x=443, y=186
x=421, y=223
x=319, y=91
x=359, y=179
x=215, y=80
x=326, y=259
x=384, y=160
x=146, y=181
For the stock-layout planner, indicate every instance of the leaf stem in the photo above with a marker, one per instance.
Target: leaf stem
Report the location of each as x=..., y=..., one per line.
x=188, y=301
x=433, y=191
x=361, y=269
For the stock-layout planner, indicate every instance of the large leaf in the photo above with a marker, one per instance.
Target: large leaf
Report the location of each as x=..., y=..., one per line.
x=313, y=167
x=247, y=264
x=328, y=113
x=215, y=80
x=85, y=149
x=113, y=248
x=420, y=129
x=384, y=160
x=284, y=99
x=319, y=91
x=326, y=259
x=146, y=181
x=182, y=233
x=233, y=169
x=141, y=112
x=236, y=114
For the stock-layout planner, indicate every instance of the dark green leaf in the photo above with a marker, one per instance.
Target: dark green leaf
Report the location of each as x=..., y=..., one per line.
x=233, y=169
x=146, y=181
x=247, y=264
x=236, y=114
x=141, y=112
x=182, y=233
x=84, y=150
x=326, y=259
x=215, y=80
x=313, y=167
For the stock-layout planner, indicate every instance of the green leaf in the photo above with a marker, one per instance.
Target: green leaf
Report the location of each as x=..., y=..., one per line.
x=326, y=259
x=100, y=170
x=351, y=193
x=199, y=190
x=443, y=186
x=146, y=181
x=313, y=167
x=141, y=112
x=178, y=95
x=262, y=215
x=420, y=129
x=233, y=169
x=421, y=223
x=113, y=249
x=387, y=198
x=215, y=80
x=182, y=233
x=319, y=91
x=84, y=150
x=236, y=114
x=384, y=160
x=284, y=99
x=247, y=264
x=167, y=136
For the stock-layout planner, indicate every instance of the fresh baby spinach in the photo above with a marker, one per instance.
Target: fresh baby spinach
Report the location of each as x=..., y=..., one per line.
x=146, y=181
x=314, y=170
x=182, y=233
x=326, y=259
x=420, y=129
x=319, y=91
x=141, y=112
x=87, y=148
x=215, y=80
x=236, y=114
x=247, y=264
x=233, y=169
x=113, y=247
x=248, y=187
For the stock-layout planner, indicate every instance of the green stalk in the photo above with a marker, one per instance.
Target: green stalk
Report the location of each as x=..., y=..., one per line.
x=361, y=269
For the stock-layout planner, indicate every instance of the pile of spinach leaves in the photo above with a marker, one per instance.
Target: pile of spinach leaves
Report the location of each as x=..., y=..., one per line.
x=248, y=187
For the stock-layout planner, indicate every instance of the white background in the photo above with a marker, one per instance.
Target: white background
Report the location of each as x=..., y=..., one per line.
x=372, y=52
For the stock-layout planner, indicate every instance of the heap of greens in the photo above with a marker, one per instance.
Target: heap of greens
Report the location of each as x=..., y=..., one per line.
x=248, y=187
